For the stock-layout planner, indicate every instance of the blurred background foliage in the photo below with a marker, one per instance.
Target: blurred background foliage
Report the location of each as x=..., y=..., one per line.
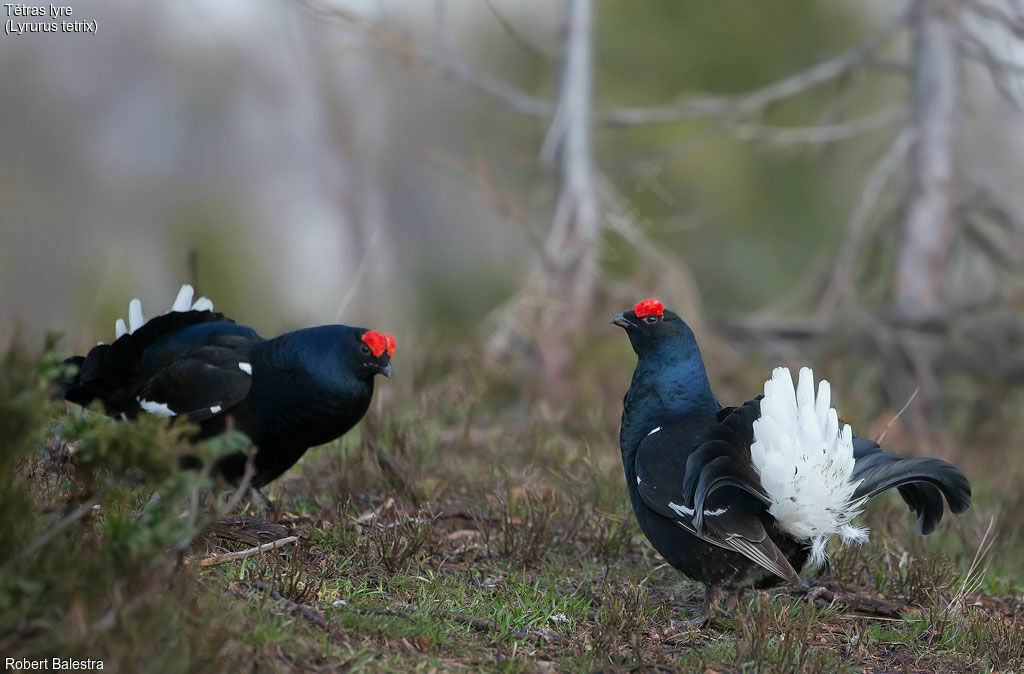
x=177, y=128
x=305, y=162
x=749, y=224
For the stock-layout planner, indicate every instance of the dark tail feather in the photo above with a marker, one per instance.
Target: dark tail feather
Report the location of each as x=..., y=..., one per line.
x=926, y=500
x=110, y=372
x=921, y=481
x=68, y=386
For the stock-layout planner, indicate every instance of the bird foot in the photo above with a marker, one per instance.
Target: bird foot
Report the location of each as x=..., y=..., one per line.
x=707, y=614
x=731, y=606
x=262, y=505
x=699, y=621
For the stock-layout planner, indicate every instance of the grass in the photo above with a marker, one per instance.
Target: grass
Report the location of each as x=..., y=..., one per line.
x=467, y=536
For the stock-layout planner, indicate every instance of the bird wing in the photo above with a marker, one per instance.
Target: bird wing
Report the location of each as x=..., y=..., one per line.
x=182, y=362
x=708, y=486
x=200, y=382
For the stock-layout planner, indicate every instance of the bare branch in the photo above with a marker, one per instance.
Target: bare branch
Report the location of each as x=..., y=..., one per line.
x=506, y=206
x=829, y=133
x=450, y=64
x=528, y=46
x=1003, y=256
x=573, y=242
x=1004, y=72
x=1015, y=24
x=759, y=98
x=878, y=179
x=569, y=135
x=673, y=271
x=974, y=48
x=984, y=200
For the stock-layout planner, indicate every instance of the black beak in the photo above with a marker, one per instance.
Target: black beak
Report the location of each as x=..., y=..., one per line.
x=381, y=369
x=621, y=321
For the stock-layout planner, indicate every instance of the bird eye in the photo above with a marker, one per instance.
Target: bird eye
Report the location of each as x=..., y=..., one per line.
x=651, y=319
x=364, y=348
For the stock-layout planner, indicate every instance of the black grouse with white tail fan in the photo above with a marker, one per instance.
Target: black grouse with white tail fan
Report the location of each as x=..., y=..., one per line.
x=289, y=393
x=739, y=497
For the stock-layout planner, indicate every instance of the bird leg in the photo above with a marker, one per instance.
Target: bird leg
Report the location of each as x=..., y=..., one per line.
x=712, y=593
x=732, y=603
x=265, y=510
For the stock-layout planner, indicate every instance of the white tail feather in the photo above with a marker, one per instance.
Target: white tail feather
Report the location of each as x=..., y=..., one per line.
x=184, y=299
x=181, y=303
x=135, y=317
x=805, y=462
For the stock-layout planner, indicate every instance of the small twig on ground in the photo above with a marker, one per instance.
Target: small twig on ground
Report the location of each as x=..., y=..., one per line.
x=241, y=554
x=826, y=593
x=483, y=625
x=293, y=607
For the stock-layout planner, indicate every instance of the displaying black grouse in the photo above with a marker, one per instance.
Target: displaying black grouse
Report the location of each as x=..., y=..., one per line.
x=739, y=497
x=289, y=393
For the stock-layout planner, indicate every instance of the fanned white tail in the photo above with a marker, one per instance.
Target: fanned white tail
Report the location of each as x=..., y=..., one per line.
x=183, y=302
x=805, y=462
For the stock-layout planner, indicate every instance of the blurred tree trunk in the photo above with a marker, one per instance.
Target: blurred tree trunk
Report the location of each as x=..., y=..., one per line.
x=928, y=225
x=550, y=312
x=573, y=242
x=573, y=239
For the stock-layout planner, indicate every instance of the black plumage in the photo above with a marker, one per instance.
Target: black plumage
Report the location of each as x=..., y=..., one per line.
x=289, y=393
x=695, y=490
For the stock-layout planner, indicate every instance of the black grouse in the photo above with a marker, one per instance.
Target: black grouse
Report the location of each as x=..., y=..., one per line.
x=289, y=393
x=739, y=497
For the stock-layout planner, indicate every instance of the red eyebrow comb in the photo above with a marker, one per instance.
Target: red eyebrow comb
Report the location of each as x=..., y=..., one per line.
x=389, y=345
x=376, y=341
x=651, y=307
